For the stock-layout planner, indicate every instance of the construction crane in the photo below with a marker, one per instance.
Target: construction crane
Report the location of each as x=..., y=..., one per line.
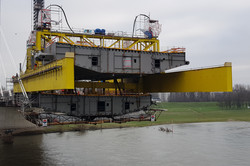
x=94, y=73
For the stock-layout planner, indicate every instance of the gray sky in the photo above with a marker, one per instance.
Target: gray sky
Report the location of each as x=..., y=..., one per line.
x=212, y=31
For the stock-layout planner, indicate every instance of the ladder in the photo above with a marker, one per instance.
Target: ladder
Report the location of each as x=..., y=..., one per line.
x=26, y=101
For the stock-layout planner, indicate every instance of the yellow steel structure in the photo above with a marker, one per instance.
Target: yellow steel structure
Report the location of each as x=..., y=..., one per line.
x=28, y=59
x=54, y=76
x=217, y=79
x=60, y=74
x=106, y=41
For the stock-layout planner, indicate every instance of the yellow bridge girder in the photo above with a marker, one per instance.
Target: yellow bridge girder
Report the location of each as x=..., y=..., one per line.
x=216, y=79
x=60, y=75
x=54, y=76
x=106, y=41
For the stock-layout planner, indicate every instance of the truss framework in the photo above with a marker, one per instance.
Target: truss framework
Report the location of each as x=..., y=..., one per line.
x=45, y=38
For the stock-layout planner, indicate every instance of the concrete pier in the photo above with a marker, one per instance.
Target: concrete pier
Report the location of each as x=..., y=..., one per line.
x=10, y=118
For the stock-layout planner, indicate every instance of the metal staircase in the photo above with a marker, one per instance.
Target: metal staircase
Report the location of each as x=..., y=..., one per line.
x=26, y=102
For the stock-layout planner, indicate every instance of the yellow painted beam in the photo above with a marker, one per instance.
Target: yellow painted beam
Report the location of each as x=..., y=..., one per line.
x=68, y=40
x=39, y=35
x=89, y=42
x=217, y=79
x=149, y=46
x=114, y=43
x=129, y=47
x=28, y=59
x=54, y=76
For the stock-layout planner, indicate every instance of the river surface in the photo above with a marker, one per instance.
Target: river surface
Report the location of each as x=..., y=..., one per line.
x=201, y=144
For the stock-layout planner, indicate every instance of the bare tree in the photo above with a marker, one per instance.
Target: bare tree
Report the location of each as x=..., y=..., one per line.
x=238, y=99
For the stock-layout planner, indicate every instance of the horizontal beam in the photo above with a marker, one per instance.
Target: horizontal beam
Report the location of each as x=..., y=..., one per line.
x=217, y=79
x=60, y=75
x=54, y=76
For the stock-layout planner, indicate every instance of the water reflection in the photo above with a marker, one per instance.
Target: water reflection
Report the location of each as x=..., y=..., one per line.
x=191, y=144
x=24, y=151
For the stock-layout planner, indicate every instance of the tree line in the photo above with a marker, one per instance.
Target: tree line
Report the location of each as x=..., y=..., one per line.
x=237, y=99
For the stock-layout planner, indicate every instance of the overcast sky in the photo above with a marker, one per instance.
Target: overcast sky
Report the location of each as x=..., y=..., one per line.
x=212, y=31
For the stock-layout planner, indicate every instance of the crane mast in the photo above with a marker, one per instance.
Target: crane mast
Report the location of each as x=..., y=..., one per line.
x=38, y=5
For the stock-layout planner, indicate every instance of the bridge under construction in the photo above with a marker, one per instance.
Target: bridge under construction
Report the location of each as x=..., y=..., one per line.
x=95, y=73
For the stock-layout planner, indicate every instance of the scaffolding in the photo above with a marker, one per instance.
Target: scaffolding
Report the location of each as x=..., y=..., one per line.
x=146, y=27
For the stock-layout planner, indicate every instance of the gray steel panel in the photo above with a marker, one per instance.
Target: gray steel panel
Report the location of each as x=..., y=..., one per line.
x=113, y=61
x=87, y=105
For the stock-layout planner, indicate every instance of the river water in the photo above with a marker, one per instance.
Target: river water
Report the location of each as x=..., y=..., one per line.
x=215, y=144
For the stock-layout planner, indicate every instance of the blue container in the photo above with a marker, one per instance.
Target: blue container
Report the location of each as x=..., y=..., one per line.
x=103, y=32
x=100, y=31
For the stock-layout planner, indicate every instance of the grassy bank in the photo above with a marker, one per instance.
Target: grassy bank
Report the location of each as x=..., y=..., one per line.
x=200, y=112
x=177, y=113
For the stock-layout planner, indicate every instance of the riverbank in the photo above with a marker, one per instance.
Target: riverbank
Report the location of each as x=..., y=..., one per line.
x=192, y=112
x=176, y=113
